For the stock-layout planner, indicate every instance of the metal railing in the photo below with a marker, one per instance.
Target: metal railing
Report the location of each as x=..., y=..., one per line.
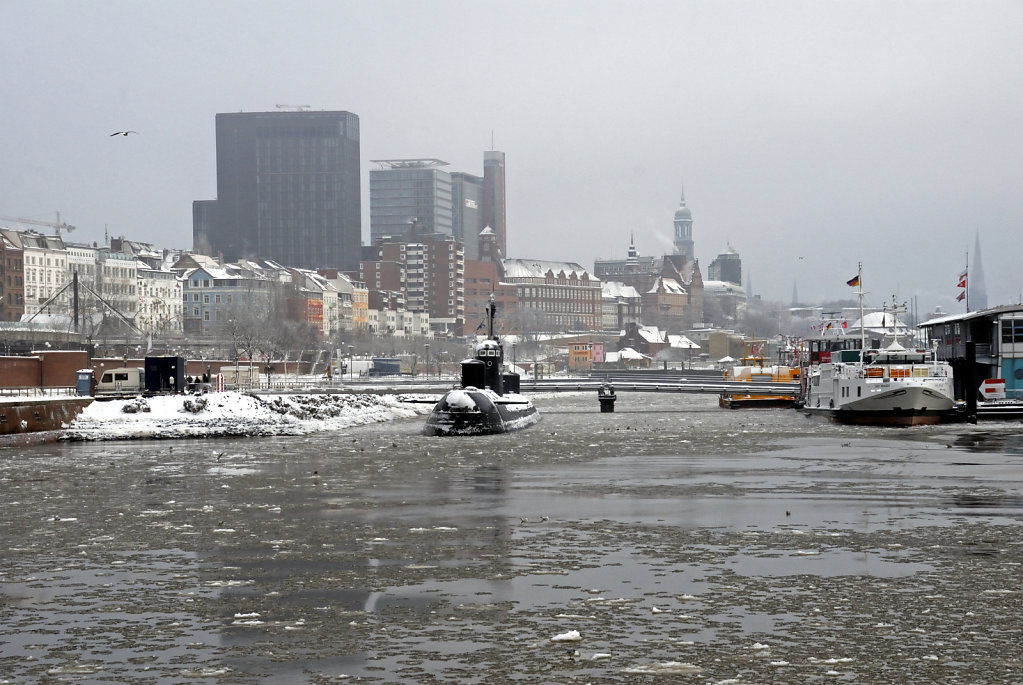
x=56, y=391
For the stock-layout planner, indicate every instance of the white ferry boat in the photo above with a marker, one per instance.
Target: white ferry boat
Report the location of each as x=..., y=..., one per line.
x=891, y=385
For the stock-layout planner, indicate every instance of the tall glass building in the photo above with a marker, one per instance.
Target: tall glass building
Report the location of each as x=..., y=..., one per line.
x=407, y=195
x=288, y=189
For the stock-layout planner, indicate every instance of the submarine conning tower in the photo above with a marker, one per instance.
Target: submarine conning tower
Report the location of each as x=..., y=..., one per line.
x=484, y=370
x=491, y=354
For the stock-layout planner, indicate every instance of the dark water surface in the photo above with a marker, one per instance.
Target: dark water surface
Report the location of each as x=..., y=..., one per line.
x=684, y=543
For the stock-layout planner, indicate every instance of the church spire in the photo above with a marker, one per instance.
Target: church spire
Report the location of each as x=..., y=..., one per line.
x=684, y=229
x=978, y=290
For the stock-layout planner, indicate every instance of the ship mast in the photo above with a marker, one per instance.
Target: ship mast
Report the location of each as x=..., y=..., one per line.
x=863, y=329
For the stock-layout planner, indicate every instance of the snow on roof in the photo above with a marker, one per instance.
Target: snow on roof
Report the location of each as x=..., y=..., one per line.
x=629, y=353
x=681, y=342
x=650, y=334
x=538, y=268
x=722, y=288
x=615, y=289
x=668, y=285
x=976, y=314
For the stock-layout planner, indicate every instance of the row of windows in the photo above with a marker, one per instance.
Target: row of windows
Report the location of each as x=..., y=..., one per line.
x=1012, y=331
x=43, y=275
x=38, y=261
x=563, y=293
x=228, y=298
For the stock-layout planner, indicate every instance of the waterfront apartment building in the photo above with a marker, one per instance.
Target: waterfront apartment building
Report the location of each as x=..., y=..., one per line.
x=429, y=274
x=44, y=261
x=214, y=296
x=160, y=301
x=288, y=189
x=12, y=280
x=409, y=198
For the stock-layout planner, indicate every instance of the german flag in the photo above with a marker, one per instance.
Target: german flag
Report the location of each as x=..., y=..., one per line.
x=854, y=281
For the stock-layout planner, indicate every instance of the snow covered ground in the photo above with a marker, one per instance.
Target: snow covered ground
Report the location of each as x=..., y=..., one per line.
x=234, y=414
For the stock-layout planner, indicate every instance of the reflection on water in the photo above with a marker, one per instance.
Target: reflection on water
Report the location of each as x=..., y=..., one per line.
x=673, y=536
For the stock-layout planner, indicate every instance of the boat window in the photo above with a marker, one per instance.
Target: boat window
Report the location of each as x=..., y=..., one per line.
x=1012, y=331
x=107, y=378
x=120, y=376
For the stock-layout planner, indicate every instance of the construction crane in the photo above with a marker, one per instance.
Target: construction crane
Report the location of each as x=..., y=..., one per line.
x=58, y=227
x=297, y=108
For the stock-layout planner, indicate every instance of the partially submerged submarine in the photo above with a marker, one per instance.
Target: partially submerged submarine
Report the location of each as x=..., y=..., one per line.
x=488, y=400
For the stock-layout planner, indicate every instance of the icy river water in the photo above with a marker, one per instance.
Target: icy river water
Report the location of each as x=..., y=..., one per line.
x=670, y=541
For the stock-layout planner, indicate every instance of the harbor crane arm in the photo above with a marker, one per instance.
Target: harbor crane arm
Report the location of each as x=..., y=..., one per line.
x=58, y=226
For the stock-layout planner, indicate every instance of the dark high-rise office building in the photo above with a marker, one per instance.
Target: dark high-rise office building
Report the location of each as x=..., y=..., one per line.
x=466, y=219
x=494, y=198
x=204, y=222
x=288, y=189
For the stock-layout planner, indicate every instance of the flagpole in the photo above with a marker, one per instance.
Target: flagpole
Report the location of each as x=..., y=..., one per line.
x=863, y=332
x=967, y=280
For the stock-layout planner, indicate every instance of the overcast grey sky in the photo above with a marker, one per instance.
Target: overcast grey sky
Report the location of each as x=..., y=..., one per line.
x=884, y=132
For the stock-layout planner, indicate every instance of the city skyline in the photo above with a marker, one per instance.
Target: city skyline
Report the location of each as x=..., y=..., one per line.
x=809, y=138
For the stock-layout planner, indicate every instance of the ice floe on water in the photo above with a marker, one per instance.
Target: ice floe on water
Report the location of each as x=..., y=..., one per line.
x=569, y=636
x=663, y=668
x=235, y=414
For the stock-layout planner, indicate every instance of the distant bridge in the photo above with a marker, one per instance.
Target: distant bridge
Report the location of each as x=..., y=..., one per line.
x=674, y=382
x=682, y=385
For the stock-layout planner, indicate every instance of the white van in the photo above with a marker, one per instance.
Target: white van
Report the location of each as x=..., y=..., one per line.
x=129, y=380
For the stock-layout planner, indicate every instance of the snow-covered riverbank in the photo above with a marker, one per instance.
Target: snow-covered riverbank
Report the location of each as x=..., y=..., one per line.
x=234, y=414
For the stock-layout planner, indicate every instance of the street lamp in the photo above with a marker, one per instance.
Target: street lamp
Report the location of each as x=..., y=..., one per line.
x=427, y=360
x=351, y=362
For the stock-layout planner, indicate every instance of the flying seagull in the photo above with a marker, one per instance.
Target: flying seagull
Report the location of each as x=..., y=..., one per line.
x=122, y=133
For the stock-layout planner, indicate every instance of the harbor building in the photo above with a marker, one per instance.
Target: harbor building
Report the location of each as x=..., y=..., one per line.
x=288, y=189
x=562, y=296
x=997, y=333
